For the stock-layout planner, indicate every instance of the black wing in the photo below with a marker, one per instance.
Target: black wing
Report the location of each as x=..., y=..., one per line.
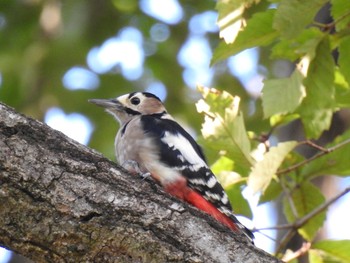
x=198, y=174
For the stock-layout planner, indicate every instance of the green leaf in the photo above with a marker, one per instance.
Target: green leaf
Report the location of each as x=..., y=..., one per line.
x=232, y=183
x=342, y=90
x=239, y=204
x=222, y=164
x=263, y=171
x=258, y=32
x=344, y=55
x=292, y=16
x=281, y=96
x=295, y=48
x=337, y=249
x=281, y=119
x=334, y=163
x=271, y=193
x=305, y=198
x=316, y=111
x=223, y=127
x=340, y=12
x=230, y=18
x=315, y=256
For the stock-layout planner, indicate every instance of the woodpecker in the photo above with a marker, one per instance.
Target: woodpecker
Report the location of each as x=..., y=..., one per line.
x=150, y=141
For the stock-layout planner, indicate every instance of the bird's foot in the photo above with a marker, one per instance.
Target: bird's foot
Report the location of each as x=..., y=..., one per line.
x=134, y=168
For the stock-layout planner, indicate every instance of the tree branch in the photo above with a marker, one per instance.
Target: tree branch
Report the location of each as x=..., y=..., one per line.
x=63, y=202
x=302, y=221
x=320, y=154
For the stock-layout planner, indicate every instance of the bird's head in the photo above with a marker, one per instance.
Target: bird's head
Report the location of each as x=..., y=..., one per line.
x=127, y=106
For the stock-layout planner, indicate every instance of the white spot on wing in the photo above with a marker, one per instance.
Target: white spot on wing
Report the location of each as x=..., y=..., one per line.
x=180, y=143
x=212, y=195
x=224, y=199
x=193, y=168
x=212, y=182
x=225, y=211
x=198, y=181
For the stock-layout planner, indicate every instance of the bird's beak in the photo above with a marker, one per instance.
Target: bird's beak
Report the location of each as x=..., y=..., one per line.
x=107, y=103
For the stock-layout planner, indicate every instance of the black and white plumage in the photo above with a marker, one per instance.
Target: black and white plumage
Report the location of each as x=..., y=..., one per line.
x=150, y=137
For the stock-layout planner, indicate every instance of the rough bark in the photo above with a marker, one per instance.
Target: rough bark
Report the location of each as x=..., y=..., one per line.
x=63, y=202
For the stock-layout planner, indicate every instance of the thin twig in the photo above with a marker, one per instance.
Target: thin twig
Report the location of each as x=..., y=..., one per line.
x=301, y=251
x=278, y=227
x=302, y=221
x=262, y=233
x=316, y=146
x=285, y=239
x=323, y=152
x=332, y=24
x=290, y=199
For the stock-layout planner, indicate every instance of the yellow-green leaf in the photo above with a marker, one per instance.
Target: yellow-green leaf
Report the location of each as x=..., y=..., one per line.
x=271, y=193
x=230, y=19
x=281, y=96
x=339, y=250
x=334, y=163
x=342, y=90
x=344, y=55
x=305, y=199
x=232, y=183
x=295, y=48
x=292, y=16
x=340, y=12
x=317, y=107
x=315, y=256
x=239, y=204
x=223, y=128
x=258, y=32
x=263, y=171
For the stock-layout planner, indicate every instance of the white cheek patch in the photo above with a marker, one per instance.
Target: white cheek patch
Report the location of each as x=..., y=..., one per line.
x=184, y=146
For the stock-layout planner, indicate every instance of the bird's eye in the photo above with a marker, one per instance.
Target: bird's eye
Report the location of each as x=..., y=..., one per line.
x=135, y=101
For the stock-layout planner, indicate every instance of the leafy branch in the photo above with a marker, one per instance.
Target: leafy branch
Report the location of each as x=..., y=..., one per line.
x=302, y=221
x=301, y=251
x=329, y=26
x=314, y=204
x=323, y=152
x=286, y=31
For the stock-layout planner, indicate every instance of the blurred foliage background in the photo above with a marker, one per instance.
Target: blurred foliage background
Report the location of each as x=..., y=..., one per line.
x=57, y=54
x=42, y=40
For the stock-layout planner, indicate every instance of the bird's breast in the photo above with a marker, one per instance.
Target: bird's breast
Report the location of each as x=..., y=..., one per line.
x=132, y=144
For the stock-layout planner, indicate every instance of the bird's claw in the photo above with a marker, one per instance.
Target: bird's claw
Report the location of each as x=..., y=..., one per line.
x=134, y=168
